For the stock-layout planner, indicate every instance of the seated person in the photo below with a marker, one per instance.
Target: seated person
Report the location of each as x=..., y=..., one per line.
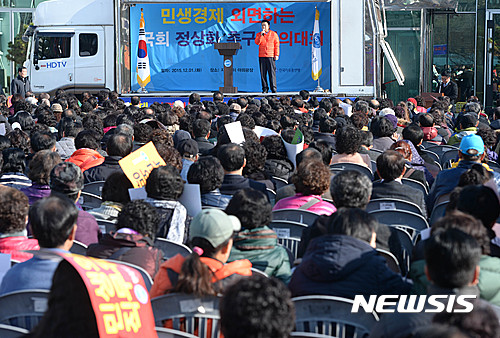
x=13, y=169
x=205, y=271
x=344, y=262
x=114, y=196
x=391, y=168
x=348, y=144
x=256, y=241
x=133, y=241
x=164, y=186
x=188, y=149
x=232, y=158
x=86, y=155
x=277, y=162
x=53, y=224
x=40, y=166
x=209, y=174
x=13, y=218
x=411, y=172
x=452, y=266
x=327, y=128
x=311, y=180
x=383, y=131
x=257, y=307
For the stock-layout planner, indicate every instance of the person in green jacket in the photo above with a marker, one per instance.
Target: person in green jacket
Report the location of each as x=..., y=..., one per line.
x=489, y=273
x=256, y=241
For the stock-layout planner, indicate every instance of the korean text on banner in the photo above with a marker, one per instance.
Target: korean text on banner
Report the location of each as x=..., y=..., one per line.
x=316, y=48
x=118, y=295
x=139, y=164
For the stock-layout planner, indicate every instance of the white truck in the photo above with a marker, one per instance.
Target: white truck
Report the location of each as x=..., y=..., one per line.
x=85, y=45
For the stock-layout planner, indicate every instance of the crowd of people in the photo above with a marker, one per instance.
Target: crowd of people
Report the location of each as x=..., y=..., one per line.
x=54, y=147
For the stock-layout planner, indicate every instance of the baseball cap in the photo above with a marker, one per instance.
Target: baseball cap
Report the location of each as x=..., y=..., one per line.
x=179, y=136
x=235, y=107
x=189, y=147
x=66, y=178
x=214, y=225
x=472, y=142
x=57, y=108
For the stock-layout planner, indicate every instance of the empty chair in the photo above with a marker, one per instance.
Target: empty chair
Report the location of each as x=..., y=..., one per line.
x=94, y=188
x=392, y=204
x=78, y=248
x=148, y=281
x=195, y=314
x=295, y=215
x=329, y=315
x=106, y=226
x=438, y=212
x=171, y=333
x=415, y=184
x=89, y=201
x=8, y=331
x=401, y=217
x=289, y=234
x=170, y=249
x=23, y=308
x=352, y=166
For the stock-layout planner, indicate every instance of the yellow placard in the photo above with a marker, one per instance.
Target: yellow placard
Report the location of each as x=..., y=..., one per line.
x=139, y=164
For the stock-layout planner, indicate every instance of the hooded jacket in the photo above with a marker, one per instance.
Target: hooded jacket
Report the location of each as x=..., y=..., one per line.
x=340, y=265
x=459, y=135
x=279, y=168
x=260, y=247
x=141, y=251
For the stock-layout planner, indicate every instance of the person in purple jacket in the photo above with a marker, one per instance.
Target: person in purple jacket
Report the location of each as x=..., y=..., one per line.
x=66, y=178
x=40, y=167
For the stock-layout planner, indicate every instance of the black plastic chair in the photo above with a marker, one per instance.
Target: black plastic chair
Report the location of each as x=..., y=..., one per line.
x=170, y=249
x=289, y=234
x=171, y=333
x=24, y=308
x=78, y=248
x=94, y=188
x=89, y=201
x=391, y=260
x=9, y=331
x=295, y=215
x=352, y=166
x=416, y=185
x=148, y=280
x=392, y=204
x=441, y=149
x=401, y=217
x=449, y=156
x=106, y=226
x=437, y=212
x=278, y=182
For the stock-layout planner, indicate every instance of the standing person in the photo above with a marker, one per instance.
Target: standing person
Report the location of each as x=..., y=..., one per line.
x=269, y=51
x=448, y=87
x=21, y=84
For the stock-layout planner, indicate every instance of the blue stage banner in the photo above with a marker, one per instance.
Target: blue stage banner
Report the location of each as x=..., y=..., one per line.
x=180, y=44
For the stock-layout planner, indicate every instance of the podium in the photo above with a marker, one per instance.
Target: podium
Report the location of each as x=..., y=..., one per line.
x=429, y=98
x=228, y=49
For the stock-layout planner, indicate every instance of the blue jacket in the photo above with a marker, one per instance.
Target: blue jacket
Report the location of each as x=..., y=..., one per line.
x=339, y=265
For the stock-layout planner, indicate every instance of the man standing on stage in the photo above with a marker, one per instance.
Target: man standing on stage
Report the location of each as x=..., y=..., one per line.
x=448, y=87
x=269, y=51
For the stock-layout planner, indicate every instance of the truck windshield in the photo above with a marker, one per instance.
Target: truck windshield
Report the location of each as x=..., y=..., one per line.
x=53, y=47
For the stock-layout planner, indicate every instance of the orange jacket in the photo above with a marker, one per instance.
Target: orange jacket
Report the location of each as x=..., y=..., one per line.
x=86, y=158
x=162, y=283
x=269, y=44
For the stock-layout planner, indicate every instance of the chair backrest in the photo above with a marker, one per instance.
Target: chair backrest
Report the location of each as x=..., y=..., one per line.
x=373, y=166
x=9, y=331
x=171, y=333
x=442, y=198
x=23, y=308
x=405, y=240
x=195, y=314
x=271, y=195
x=89, y=201
x=295, y=215
x=392, y=261
x=258, y=272
x=170, y=249
x=289, y=234
x=401, y=217
x=148, y=281
x=352, y=166
x=392, y=204
x=308, y=335
x=78, y=248
x=106, y=226
x=278, y=182
x=329, y=315
x=432, y=154
x=415, y=184
x=375, y=153
x=493, y=166
x=437, y=212
x=94, y=188
x=440, y=149
x=447, y=157
x=427, y=144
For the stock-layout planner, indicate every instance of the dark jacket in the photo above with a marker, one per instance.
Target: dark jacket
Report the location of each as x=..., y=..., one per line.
x=204, y=147
x=382, y=143
x=339, y=265
x=279, y=168
x=328, y=137
x=260, y=247
x=234, y=183
x=36, y=192
x=87, y=230
x=20, y=85
x=140, y=250
x=262, y=177
x=104, y=170
x=394, y=189
x=450, y=90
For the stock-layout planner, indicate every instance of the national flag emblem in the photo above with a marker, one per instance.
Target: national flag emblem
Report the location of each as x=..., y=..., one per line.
x=316, y=49
x=143, y=73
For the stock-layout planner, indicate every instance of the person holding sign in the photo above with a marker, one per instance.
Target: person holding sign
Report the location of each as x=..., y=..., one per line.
x=269, y=51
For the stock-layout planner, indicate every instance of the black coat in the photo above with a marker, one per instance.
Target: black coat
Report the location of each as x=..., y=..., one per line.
x=204, y=147
x=451, y=90
x=234, y=183
x=20, y=85
x=344, y=266
x=328, y=138
x=279, y=168
x=104, y=170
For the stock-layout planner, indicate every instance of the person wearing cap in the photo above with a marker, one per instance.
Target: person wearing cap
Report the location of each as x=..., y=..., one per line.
x=204, y=272
x=234, y=110
x=471, y=152
x=447, y=87
x=468, y=125
x=189, y=152
x=66, y=179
